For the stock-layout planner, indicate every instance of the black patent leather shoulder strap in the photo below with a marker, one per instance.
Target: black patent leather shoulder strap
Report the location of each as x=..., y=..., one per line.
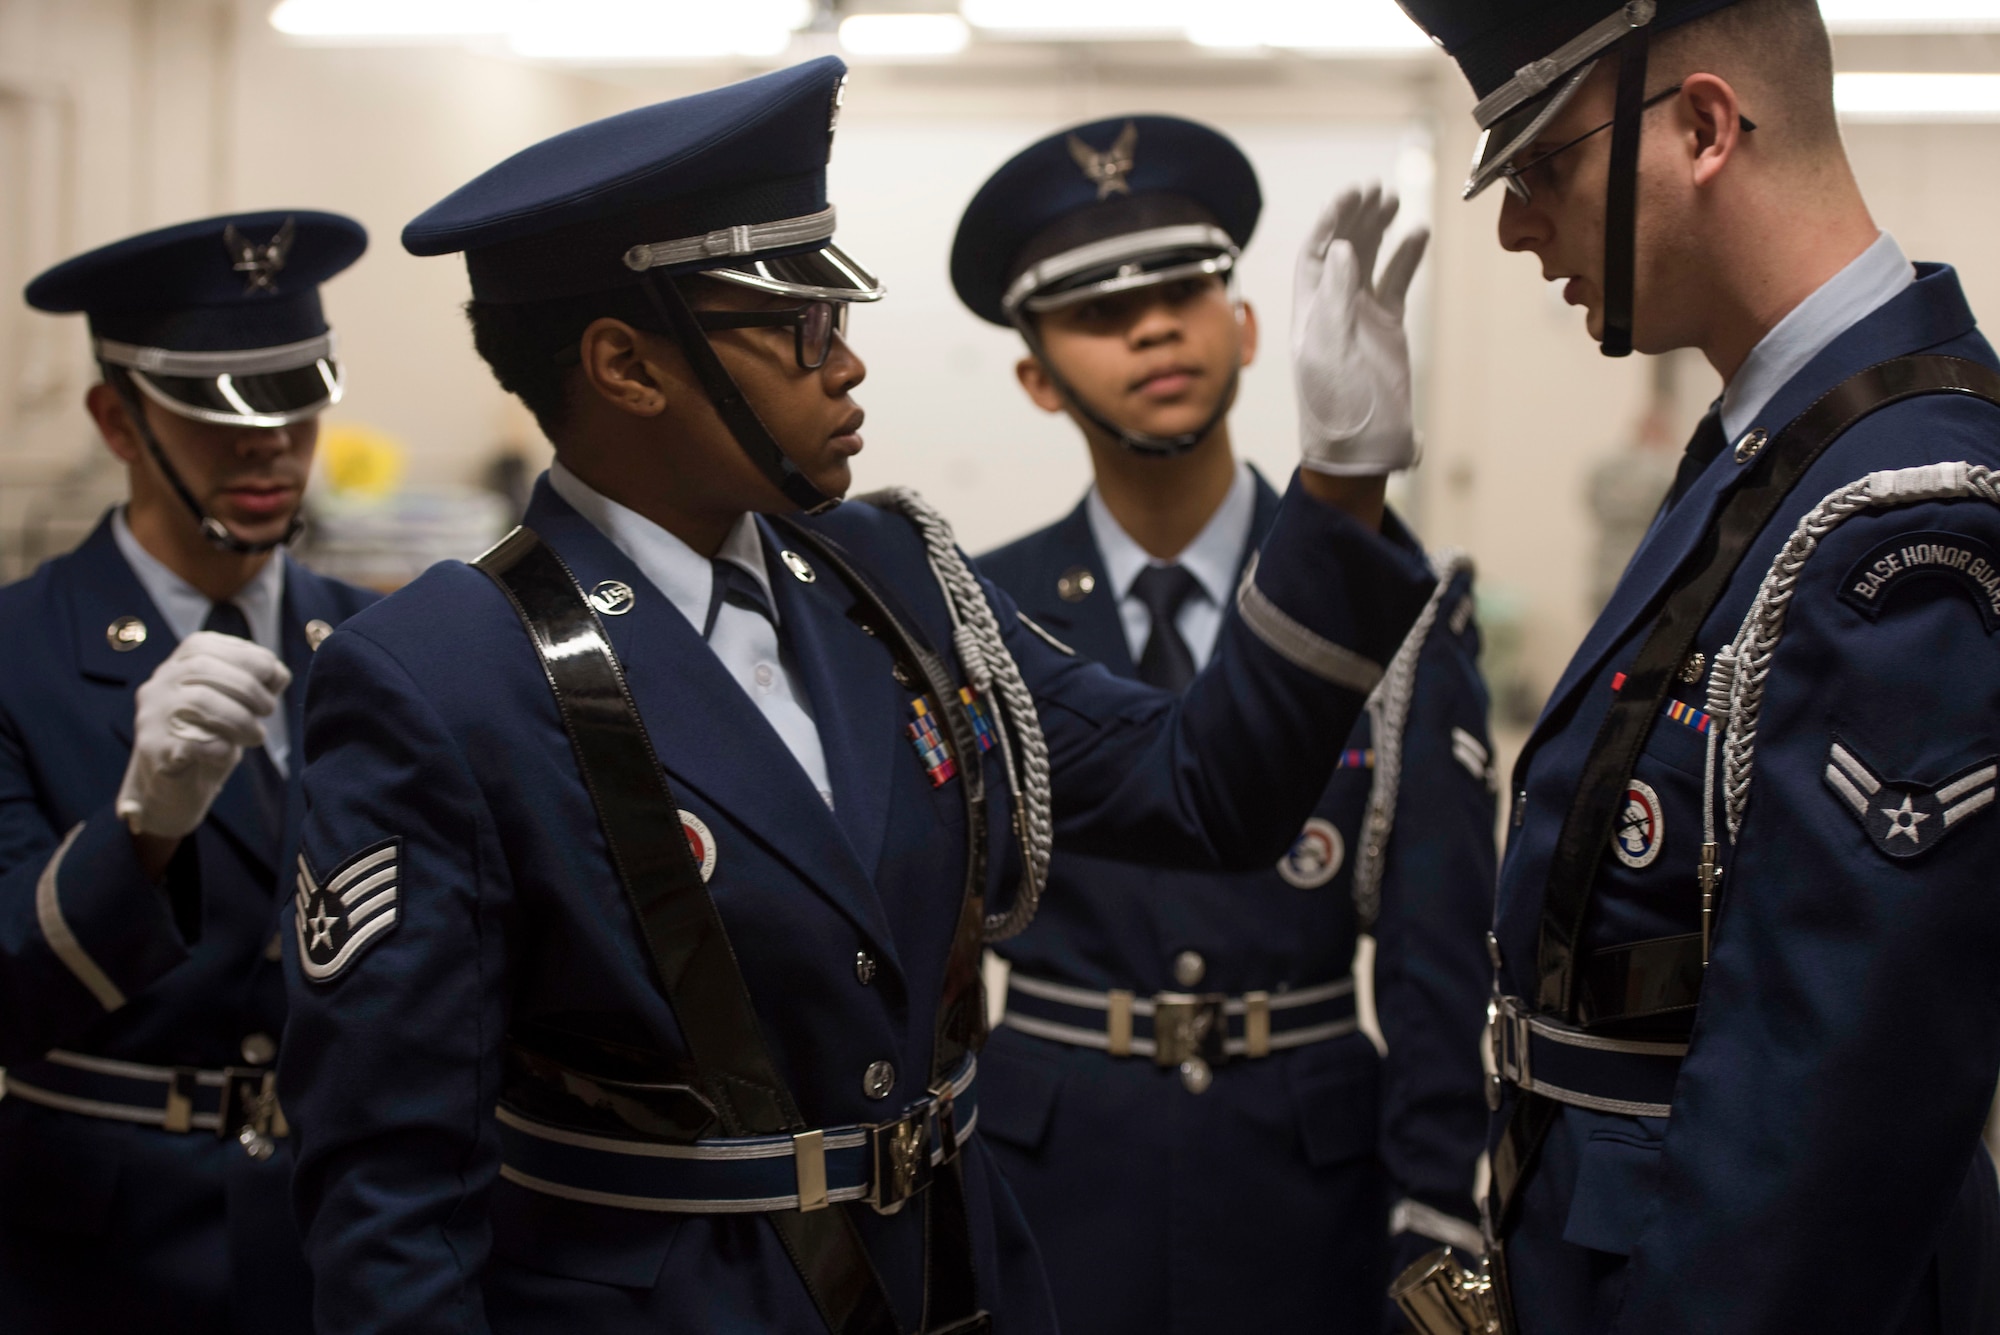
x=1587, y=828
x=693, y=963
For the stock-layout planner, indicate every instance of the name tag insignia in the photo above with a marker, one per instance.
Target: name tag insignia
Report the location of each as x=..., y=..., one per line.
x=1956, y=559
x=1315, y=856
x=341, y=915
x=1641, y=827
x=1901, y=818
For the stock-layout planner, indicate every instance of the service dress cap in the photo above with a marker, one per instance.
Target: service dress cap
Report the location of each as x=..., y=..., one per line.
x=217, y=320
x=1115, y=204
x=730, y=182
x=1525, y=59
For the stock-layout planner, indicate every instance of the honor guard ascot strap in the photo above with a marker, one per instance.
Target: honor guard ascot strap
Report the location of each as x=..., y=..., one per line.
x=693, y=963
x=1587, y=828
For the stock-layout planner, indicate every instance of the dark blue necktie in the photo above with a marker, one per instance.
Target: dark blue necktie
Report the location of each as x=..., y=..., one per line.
x=737, y=587
x=1168, y=663
x=227, y=618
x=1702, y=447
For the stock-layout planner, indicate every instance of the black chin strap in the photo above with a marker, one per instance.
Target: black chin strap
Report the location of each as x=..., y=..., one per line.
x=1621, y=195
x=214, y=530
x=735, y=410
x=1157, y=447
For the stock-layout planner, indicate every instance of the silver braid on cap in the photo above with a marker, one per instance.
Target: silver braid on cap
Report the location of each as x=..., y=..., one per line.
x=982, y=653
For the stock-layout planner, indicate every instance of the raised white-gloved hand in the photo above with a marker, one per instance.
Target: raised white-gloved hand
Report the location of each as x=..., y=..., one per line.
x=1350, y=358
x=193, y=718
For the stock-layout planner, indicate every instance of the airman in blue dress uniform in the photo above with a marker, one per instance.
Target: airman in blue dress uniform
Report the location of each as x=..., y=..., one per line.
x=1745, y=1014
x=664, y=825
x=1179, y=1092
x=150, y=708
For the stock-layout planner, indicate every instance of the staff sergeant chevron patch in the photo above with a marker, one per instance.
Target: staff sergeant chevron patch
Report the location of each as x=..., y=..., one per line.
x=352, y=908
x=1903, y=818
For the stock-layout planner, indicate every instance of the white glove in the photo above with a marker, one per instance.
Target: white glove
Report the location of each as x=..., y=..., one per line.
x=193, y=718
x=1350, y=359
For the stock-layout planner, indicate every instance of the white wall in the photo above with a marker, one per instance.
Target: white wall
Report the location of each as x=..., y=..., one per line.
x=117, y=115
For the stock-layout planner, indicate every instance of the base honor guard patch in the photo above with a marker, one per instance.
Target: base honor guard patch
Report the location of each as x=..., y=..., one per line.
x=1641, y=826
x=928, y=735
x=340, y=915
x=1904, y=819
x=1315, y=856
x=701, y=842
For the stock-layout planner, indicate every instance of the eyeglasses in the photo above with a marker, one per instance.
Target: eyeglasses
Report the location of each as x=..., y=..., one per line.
x=1517, y=177
x=813, y=326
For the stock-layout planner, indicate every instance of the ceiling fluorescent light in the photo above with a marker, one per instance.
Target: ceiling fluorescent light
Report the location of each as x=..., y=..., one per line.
x=904, y=34
x=393, y=19
x=1319, y=25
x=644, y=31
x=1917, y=97
x=1894, y=16
x=1125, y=19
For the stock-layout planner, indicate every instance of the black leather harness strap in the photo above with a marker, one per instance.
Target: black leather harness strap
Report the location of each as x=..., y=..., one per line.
x=1587, y=827
x=693, y=963
x=951, y=1296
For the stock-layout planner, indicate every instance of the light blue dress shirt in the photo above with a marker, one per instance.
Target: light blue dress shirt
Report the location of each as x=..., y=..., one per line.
x=746, y=643
x=1213, y=558
x=1870, y=281
x=185, y=607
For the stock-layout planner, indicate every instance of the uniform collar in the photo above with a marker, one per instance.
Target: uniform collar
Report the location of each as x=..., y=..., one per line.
x=1213, y=558
x=185, y=608
x=676, y=569
x=1870, y=281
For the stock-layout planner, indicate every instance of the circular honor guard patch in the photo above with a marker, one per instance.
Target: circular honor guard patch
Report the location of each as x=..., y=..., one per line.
x=1641, y=828
x=700, y=843
x=1315, y=856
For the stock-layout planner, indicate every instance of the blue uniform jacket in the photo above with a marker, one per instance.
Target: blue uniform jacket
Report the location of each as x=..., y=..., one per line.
x=1822, y=1166
x=430, y=722
x=106, y=1225
x=1264, y=1202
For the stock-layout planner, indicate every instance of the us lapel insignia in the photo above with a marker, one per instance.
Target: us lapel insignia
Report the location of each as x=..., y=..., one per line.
x=1903, y=819
x=342, y=914
x=701, y=843
x=1315, y=856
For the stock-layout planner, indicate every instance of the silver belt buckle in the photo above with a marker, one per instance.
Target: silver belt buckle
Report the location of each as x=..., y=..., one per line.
x=249, y=1108
x=1509, y=1026
x=899, y=1160
x=1190, y=1032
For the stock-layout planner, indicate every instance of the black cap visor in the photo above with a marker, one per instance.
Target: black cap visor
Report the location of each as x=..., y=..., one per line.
x=823, y=273
x=1151, y=271
x=264, y=399
x=1504, y=140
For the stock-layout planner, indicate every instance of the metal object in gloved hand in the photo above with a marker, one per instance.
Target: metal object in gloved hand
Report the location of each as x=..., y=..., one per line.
x=191, y=721
x=1442, y=1297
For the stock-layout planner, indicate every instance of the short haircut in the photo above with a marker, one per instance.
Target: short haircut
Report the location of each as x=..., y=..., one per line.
x=1772, y=50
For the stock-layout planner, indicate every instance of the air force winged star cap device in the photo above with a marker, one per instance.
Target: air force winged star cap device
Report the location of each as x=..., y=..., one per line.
x=729, y=184
x=217, y=320
x=1103, y=208
x=1525, y=60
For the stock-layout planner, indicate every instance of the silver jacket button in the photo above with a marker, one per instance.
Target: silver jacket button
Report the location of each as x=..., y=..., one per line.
x=1196, y=1075
x=258, y=1049
x=1189, y=968
x=864, y=967
x=878, y=1080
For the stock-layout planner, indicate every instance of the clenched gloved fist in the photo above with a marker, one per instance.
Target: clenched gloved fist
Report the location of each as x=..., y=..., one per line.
x=1350, y=358
x=194, y=716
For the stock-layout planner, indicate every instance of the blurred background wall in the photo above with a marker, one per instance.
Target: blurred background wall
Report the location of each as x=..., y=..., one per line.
x=117, y=115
